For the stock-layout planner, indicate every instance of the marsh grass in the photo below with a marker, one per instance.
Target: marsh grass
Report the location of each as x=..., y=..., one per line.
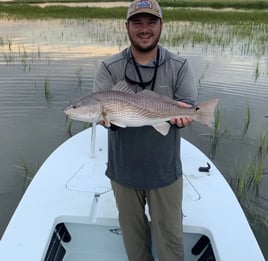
x=18, y=10
x=257, y=71
x=24, y=58
x=217, y=4
x=22, y=55
x=47, y=91
x=216, y=134
x=240, y=39
x=250, y=174
x=78, y=74
x=28, y=172
x=246, y=120
x=263, y=145
x=8, y=58
x=70, y=126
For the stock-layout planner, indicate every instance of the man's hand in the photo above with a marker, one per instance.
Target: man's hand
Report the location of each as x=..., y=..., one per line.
x=182, y=121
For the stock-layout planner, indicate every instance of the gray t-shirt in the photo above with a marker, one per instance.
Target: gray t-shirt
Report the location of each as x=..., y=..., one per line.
x=140, y=157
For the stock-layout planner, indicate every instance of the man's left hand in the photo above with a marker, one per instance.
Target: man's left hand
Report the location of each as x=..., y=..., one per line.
x=182, y=121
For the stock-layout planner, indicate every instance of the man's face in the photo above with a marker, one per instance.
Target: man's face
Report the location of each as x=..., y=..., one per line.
x=144, y=31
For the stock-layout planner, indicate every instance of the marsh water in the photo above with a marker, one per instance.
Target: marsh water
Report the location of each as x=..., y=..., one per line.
x=46, y=64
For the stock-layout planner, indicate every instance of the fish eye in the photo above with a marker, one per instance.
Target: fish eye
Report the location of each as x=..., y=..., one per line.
x=74, y=107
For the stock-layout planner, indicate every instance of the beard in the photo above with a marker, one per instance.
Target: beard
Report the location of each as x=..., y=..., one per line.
x=142, y=49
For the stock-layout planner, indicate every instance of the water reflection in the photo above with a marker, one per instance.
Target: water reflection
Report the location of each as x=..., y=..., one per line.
x=58, y=58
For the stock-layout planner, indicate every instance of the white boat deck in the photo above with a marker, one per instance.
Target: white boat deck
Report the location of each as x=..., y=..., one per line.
x=71, y=188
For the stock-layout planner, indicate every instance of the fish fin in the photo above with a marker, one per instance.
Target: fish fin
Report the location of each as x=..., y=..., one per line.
x=205, y=112
x=119, y=124
x=123, y=87
x=106, y=120
x=162, y=128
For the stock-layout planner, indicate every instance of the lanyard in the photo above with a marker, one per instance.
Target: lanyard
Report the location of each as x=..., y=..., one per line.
x=142, y=83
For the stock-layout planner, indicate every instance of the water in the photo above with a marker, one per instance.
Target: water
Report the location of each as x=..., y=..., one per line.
x=45, y=64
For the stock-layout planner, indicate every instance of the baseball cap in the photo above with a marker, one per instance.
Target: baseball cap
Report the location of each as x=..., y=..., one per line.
x=144, y=6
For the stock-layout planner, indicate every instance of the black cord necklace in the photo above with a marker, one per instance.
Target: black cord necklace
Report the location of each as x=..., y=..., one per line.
x=143, y=84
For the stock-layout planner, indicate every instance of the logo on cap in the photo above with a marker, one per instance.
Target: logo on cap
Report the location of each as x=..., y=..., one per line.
x=144, y=4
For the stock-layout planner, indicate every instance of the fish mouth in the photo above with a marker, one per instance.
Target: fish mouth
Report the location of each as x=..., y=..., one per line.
x=70, y=116
x=75, y=117
x=70, y=113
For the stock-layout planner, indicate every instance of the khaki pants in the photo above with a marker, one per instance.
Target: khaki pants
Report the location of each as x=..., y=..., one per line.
x=166, y=219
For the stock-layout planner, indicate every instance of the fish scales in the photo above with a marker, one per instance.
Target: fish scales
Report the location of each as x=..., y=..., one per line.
x=125, y=102
x=137, y=107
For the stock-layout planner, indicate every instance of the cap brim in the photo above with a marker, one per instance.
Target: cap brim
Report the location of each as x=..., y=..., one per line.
x=144, y=12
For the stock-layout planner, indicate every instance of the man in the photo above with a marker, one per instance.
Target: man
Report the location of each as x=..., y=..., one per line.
x=144, y=166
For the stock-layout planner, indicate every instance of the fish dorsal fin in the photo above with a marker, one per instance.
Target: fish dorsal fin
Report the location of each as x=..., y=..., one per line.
x=122, y=86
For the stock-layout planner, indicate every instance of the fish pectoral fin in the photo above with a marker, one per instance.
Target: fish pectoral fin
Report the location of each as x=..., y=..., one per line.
x=119, y=124
x=162, y=128
x=106, y=120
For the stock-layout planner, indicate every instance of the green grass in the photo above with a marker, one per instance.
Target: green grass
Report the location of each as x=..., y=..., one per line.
x=238, y=4
x=70, y=128
x=78, y=74
x=216, y=135
x=26, y=11
x=246, y=120
x=69, y=124
x=250, y=174
x=20, y=11
x=47, y=91
x=28, y=172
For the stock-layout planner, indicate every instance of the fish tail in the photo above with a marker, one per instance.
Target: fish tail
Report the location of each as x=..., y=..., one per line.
x=205, y=112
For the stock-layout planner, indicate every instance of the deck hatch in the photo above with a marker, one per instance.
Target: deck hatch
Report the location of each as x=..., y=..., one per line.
x=203, y=247
x=90, y=177
x=56, y=251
